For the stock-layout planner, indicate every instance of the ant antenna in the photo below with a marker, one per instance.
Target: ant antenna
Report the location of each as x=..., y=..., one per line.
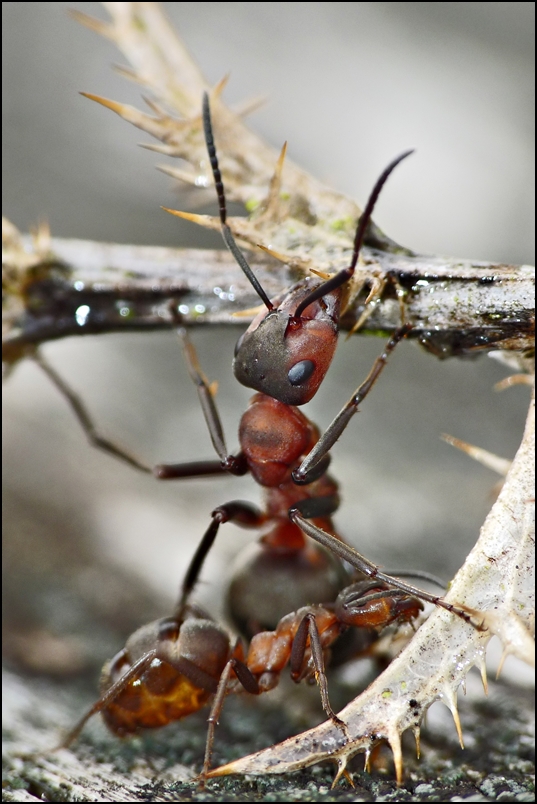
x=368, y=211
x=342, y=276
x=229, y=240
x=424, y=576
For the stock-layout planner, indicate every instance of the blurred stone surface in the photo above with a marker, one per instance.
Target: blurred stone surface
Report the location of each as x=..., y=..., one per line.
x=496, y=765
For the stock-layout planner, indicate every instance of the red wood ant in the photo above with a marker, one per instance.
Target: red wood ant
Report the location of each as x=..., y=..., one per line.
x=284, y=356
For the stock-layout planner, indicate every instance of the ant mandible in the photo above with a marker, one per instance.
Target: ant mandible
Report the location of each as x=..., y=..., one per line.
x=171, y=667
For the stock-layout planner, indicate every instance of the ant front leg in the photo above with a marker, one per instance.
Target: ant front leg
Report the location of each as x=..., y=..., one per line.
x=307, y=470
x=100, y=442
x=371, y=570
x=235, y=465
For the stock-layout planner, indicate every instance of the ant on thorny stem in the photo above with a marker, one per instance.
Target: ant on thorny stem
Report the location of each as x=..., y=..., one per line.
x=171, y=667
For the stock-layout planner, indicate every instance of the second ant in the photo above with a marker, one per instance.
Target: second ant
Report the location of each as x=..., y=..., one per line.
x=170, y=668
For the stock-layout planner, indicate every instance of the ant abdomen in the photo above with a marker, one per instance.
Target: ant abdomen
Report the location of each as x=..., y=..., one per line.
x=267, y=583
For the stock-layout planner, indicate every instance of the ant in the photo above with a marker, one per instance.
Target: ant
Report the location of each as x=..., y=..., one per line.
x=171, y=667
x=284, y=356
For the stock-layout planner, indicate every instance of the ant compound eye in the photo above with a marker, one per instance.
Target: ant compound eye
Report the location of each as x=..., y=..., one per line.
x=301, y=372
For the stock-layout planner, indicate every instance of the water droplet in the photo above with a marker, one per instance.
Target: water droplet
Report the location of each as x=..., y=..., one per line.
x=81, y=314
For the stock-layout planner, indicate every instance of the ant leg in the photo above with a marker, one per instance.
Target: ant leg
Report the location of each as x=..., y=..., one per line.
x=425, y=576
x=164, y=472
x=107, y=697
x=378, y=285
x=85, y=420
x=359, y=562
x=242, y=513
x=373, y=604
x=205, y=395
x=360, y=600
x=308, y=628
x=335, y=429
x=249, y=683
x=178, y=471
x=235, y=465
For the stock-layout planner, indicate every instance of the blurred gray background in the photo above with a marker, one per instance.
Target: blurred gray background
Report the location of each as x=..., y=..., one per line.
x=348, y=85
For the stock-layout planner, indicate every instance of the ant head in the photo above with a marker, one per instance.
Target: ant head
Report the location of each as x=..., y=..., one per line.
x=286, y=351
x=374, y=604
x=285, y=356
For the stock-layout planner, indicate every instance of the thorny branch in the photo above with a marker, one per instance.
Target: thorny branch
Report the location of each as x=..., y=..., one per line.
x=455, y=305
x=496, y=579
x=58, y=288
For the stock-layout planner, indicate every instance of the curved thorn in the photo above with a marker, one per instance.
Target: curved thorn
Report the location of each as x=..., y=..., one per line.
x=417, y=733
x=201, y=220
x=394, y=740
x=483, y=671
x=342, y=771
x=483, y=456
x=450, y=699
